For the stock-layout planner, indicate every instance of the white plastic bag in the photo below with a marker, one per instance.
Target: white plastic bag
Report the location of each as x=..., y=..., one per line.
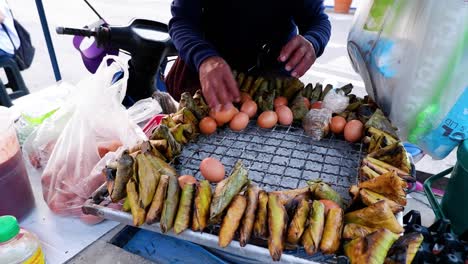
x=142, y=111
x=98, y=121
x=413, y=58
x=336, y=101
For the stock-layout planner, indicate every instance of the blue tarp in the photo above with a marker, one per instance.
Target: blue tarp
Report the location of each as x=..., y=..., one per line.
x=164, y=249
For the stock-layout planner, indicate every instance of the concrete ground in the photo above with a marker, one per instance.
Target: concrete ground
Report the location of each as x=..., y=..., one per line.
x=332, y=67
x=103, y=252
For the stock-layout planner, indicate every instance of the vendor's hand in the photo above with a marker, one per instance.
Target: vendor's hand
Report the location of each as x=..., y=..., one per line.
x=218, y=85
x=299, y=55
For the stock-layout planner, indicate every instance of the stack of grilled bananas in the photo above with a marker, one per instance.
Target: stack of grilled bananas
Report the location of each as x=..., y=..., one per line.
x=371, y=229
x=264, y=89
x=285, y=219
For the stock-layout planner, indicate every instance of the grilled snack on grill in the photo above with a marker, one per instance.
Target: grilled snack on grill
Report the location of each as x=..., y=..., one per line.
x=201, y=208
x=285, y=197
x=404, y=249
x=154, y=213
x=388, y=185
x=378, y=215
x=371, y=249
x=170, y=204
x=261, y=217
x=232, y=220
x=369, y=197
x=352, y=231
x=246, y=228
x=299, y=108
x=138, y=213
x=332, y=231
x=298, y=223
x=182, y=220
x=277, y=224
x=316, y=223
x=186, y=100
x=173, y=147
x=323, y=191
x=123, y=175
x=231, y=186
x=148, y=179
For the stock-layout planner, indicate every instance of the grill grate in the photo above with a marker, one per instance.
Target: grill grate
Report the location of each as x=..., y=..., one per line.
x=278, y=159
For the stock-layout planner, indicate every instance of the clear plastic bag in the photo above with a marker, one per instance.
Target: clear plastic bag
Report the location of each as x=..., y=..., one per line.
x=39, y=145
x=142, y=111
x=98, y=121
x=336, y=101
x=316, y=123
x=413, y=56
x=33, y=109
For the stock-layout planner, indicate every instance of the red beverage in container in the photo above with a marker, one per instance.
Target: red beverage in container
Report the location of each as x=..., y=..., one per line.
x=16, y=197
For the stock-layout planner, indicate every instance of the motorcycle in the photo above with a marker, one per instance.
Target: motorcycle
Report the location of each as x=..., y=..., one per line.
x=147, y=42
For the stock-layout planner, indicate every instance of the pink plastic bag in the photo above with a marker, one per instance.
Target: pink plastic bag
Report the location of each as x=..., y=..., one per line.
x=98, y=124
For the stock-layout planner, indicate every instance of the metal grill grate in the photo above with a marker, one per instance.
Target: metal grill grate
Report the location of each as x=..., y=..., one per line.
x=278, y=159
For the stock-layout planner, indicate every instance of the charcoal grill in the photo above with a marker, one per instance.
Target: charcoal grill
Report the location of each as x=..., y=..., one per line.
x=278, y=159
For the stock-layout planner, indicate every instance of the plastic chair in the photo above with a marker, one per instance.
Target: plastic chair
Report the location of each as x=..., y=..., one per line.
x=15, y=82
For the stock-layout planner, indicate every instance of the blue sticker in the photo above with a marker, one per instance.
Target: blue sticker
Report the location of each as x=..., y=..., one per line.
x=451, y=132
x=383, y=58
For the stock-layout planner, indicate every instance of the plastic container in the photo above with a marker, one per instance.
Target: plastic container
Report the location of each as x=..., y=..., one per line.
x=416, y=153
x=152, y=124
x=18, y=245
x=15, y=190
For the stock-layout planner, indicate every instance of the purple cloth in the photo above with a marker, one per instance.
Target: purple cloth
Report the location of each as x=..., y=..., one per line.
x=236, y=29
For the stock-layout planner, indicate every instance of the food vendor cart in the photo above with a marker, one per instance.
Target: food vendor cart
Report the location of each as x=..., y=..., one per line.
x=278, y=158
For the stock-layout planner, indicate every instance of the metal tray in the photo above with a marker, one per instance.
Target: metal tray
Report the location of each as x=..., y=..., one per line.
x=278, y=159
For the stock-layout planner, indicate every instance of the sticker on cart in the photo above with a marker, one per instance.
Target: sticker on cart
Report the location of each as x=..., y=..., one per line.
x=451, y=131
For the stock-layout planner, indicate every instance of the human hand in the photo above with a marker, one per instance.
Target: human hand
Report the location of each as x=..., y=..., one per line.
x=299, y=55
x=218, y=85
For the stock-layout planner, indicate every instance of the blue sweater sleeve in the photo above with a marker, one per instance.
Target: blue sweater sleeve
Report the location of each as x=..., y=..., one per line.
x=185, y=31
x=313, y=23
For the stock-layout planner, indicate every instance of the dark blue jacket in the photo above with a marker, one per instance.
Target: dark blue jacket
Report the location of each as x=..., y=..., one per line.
x=236, y=29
